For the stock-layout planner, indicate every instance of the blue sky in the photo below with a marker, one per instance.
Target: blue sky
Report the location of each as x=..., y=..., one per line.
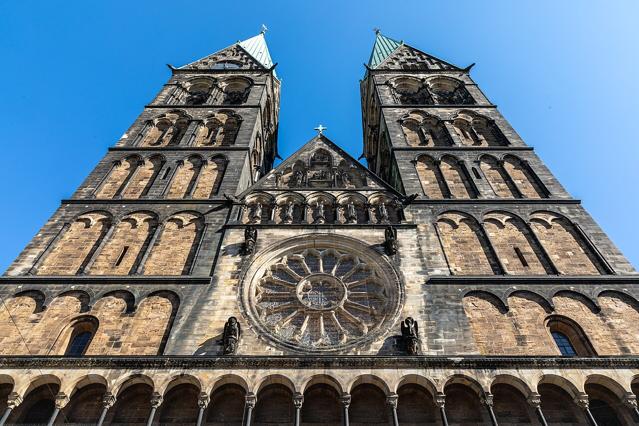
x=77, y=73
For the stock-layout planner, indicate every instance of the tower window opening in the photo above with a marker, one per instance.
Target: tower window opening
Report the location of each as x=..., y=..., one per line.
x=521, y=257
x=166, y=173
x=125, y=249
x=476, y=173
x=563, y=343
x=79, y=343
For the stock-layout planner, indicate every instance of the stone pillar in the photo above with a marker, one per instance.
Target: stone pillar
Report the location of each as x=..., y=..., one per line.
x=629, y=399
x=13, y=400
x=345, y=400
x=156, y=400
x=202, y=402
x=535, y=402
x=487, y=400
x=108, y=400
x=582, y=401
x=61, y=400
x=440, y=401
x=298, y=400
x=249, y=404
x=391, y=400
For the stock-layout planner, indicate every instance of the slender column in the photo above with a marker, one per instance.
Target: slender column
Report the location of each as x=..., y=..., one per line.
x=391, y=400
x=454, y=137
x=108, y=400
x=298, y=400
x=629, y=399
x=61, y=400
x=535, y=402
x=202, y=402
x=487, y=399
x=156, y=400
x=582, y=401
x=249, y=404
x=12, y=402
x=440, y=401
x=345, y=400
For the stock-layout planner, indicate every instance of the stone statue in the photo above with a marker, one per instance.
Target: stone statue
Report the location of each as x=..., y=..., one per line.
x=256, y=215
x=297, y=180
x=383, y=213
x=250, y=239
x=289, y=211
x=390, y=240
x=410, y=336
x=320, y=215
x=231, y=336
x=350, y=214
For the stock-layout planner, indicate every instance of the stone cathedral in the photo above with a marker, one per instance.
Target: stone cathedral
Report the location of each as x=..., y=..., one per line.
x=190, y=280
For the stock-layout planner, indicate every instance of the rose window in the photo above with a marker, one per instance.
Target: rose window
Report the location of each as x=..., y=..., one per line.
x=322, y=299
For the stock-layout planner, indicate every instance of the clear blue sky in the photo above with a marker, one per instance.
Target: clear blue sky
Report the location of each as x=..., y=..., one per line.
x=76, y=74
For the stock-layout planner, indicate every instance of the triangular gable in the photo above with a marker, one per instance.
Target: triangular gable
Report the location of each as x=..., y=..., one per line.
x=407, y=57
x=251, y=53
x=320, y=165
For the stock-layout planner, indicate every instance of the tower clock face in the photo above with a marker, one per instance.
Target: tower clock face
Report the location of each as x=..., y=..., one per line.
x=319, y=294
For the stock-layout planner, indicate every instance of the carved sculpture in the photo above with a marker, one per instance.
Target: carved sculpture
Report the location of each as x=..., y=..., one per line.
x=289, y=211
x=256, y=214
x=410, y=336
x=390, y=240
x=320, y=215
x=231, y=336
x=250, y=238
x=350, y=213
x=383, y=213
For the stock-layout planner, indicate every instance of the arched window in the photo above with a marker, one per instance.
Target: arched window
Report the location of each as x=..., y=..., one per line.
x=118, y=176
x=166, y=129
x=569, y=338
x=82, y=333
x=236, y=91
x=410, y=91
x=450, y=91
x=198, y=91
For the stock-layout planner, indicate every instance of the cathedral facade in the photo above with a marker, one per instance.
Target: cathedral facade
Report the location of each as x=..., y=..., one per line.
x=190, y=280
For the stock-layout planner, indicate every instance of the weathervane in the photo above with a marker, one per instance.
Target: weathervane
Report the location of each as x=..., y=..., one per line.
x=377, y=30
x=264, y=29
x=320, y=129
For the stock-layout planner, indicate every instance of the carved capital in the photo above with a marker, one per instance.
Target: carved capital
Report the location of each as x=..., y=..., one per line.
x=630, y=399
x=582, y=400
x=156, y=400
x=108, y=400
x=250, y=400
x=391, y=400
x=298, y=400
x=534, y=399
x=345, y=400
x=13, y=400
x=61, y=400
x=487, y=399
x=440, y=400
x=203, y=400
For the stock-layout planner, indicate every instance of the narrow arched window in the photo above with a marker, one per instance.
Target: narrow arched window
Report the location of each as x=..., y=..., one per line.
x=563, y=344
x=79, y=343
x=569, y=337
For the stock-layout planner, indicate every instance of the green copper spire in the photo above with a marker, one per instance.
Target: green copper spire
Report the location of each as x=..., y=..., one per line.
x=382, y=49
x=256, y=47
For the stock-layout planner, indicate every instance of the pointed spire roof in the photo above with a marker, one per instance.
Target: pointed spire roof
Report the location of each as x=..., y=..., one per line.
x=382, y=49
x=257, y=48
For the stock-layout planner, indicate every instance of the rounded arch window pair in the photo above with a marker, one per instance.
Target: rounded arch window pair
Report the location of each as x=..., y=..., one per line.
x=321, y=293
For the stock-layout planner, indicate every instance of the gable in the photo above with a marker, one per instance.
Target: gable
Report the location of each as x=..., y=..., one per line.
x=320, y=164
x=233, y=57
x=406, y=57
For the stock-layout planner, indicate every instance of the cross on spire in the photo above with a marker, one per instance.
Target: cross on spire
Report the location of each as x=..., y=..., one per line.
x=320, y=129
x=377, y=30
x=264, y=29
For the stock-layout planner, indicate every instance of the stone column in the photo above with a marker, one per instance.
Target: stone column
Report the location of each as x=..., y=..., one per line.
x=61, y=400
x=535, y=402
x=298, y=400
x=108, y=400
x=629, y=399
x=487, y=400
x=440, y=401
x=391, y=400
x=345, y=400
x=582, y=401
x=202, y=402
x=156, y=400
x=249, y=404
x=13, y=400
